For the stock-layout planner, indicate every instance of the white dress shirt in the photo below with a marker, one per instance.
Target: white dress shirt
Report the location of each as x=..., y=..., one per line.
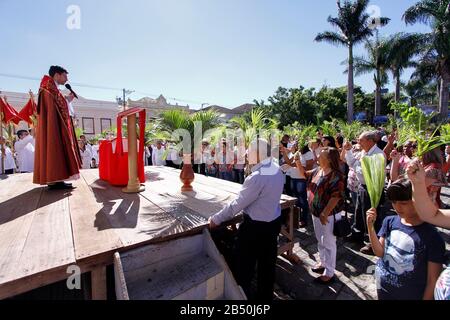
x=259, y=197
x=355, y=163
x=25, y=154
x=157, y=156
x=86, y=157
x=9, y=159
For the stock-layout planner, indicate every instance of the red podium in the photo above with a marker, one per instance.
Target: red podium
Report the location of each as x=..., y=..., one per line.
x=121, y=160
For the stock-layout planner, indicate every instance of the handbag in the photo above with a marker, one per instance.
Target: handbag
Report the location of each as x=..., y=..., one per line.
x=342, y=227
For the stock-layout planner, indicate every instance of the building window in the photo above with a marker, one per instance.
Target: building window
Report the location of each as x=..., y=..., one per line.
x=88, y=125
x=105, y=124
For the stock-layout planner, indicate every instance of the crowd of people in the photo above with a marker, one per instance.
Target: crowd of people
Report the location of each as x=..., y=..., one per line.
x=220, y=161
x=18, y=157
x=326, y=177
x=19, y=154
x=411, y=251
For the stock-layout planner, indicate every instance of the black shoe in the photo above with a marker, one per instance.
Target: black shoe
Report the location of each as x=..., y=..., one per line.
x=320, y=281
x=60, y=186
x=318, y=270
x=355, y=238
x=302, y=225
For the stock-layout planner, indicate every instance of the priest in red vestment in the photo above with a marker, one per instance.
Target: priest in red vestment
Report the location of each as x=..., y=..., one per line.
x=57, y=157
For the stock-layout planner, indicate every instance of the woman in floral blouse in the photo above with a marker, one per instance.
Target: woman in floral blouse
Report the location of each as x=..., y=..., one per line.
x=326, y=199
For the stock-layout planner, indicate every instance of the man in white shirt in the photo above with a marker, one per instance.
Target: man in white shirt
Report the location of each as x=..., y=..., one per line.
x=158, y=155
x=24, y=148
x=257, y=239
x=368, y=142
x=7, y=157
x=173, y=159
x=239, y=164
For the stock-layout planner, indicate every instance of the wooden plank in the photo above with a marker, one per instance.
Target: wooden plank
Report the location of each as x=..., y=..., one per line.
x=98, y=282
x=205, y=200
x=210, y=191
x=49, y=243
x=92, y=232
x=203, y=184
x=134, y=219
x=176, y=269
x=19, y=200
x=141, y=261
x=214, y=185
x=119, y=277
x=43, y=246
x=223, y=185
x=192, y=208
x=25, y=284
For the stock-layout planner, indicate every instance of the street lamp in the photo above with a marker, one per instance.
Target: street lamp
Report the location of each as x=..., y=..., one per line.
x=205, y=104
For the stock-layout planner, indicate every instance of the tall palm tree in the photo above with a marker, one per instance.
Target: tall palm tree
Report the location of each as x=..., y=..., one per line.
x=427, y=74
x=404, y=47
x=436, y=13
x=378, y=62
x=354, y=26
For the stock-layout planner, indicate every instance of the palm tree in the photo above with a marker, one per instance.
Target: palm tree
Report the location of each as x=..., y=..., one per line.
x=420, y=92
x=378, y=62
x=172, y=120
x=426, y=78
x=254, y=123
x=436, y=13
x=403, y=49
x=354, y=26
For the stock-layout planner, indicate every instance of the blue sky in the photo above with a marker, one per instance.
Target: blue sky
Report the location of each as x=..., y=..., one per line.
x=218, y=52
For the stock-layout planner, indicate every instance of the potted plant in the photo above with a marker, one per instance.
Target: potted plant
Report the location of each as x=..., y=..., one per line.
x=190, y=124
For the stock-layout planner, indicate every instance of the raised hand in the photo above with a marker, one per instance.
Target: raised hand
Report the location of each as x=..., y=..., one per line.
x=347, y=145
x=416, y=172
x=371, y=216
x=395, y=155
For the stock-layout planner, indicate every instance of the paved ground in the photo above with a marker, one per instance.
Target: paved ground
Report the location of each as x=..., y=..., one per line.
x=355, y=280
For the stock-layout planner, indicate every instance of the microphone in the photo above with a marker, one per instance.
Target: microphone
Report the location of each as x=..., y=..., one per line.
x=69, y=87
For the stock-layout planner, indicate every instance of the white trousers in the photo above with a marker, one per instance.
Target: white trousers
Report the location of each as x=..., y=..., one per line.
x=326, y=243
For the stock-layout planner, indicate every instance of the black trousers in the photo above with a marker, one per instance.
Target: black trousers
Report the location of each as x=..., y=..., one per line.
x=287, y=186
x=200, y=168
x=9, y=171
x=359, y=228
x=256, y=247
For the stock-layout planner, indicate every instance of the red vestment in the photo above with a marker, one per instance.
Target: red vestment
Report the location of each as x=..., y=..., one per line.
x=57, y=156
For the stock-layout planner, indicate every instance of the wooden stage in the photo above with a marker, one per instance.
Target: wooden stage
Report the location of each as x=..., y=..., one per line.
x=42, y=232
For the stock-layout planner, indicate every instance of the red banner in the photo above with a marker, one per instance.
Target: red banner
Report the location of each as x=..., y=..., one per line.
x=8, y=113
x=27, y=112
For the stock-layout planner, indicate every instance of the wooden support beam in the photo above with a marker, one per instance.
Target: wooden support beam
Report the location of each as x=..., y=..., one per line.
x=98, y=283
